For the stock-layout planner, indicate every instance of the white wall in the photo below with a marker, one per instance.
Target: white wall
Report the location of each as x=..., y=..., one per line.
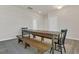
x=12, y=18
x=68, y=17
x=50, y=21
x=65, y=18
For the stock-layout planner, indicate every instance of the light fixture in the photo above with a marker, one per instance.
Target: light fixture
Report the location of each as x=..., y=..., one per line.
x=39, y=12
x=59, y=6
x=29, y=8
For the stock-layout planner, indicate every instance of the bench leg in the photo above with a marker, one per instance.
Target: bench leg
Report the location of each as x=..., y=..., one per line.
x=26, y=45
x=19, y=40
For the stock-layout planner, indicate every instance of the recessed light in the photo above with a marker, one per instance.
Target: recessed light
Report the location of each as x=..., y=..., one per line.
x=59, y=6
x=39, y=11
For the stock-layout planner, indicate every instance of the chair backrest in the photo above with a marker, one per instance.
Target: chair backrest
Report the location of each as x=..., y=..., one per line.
x=24, y=33
x=63, y=35
x=24, y=28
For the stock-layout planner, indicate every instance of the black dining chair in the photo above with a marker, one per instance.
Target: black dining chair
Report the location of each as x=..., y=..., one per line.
x=60, y=43
x=22, y=35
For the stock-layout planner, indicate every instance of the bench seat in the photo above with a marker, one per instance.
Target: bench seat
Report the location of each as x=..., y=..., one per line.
x=41, y=47
x=20, y=38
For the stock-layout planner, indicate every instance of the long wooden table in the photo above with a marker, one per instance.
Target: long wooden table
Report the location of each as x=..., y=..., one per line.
x=43, y=34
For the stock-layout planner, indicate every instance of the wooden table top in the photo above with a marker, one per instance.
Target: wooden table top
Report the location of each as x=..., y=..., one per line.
x=43, y=32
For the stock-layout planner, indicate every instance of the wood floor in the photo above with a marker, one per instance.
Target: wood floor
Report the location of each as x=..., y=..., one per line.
x=12, y=47
x=72, y=46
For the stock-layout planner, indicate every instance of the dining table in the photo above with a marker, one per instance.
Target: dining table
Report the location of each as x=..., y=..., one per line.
x=43, y=34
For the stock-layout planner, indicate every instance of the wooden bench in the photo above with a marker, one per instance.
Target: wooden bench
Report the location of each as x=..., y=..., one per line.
x=41, y=47
x=19, y=38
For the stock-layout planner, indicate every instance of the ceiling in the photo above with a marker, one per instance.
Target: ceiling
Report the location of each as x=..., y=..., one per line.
x=40, y=9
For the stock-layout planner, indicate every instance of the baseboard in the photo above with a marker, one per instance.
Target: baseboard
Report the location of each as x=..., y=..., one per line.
x=73, y=38
x=15, y=38
x=8, y=39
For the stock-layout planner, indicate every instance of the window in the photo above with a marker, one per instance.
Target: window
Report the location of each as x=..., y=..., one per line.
x=34, y=24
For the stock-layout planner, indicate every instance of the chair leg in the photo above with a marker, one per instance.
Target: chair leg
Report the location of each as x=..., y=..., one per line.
x=50, y=50
x=55, y=46
x=60, y=48
x=25, y=46
x=64, y=49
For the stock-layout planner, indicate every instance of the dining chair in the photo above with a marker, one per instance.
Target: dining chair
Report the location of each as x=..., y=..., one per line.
x=60, y=41
x=24, y=33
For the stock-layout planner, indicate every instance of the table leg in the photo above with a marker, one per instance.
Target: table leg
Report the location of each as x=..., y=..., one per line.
x=34, y=36
x=52, y=48
x=29, y=35
x=42, y=39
